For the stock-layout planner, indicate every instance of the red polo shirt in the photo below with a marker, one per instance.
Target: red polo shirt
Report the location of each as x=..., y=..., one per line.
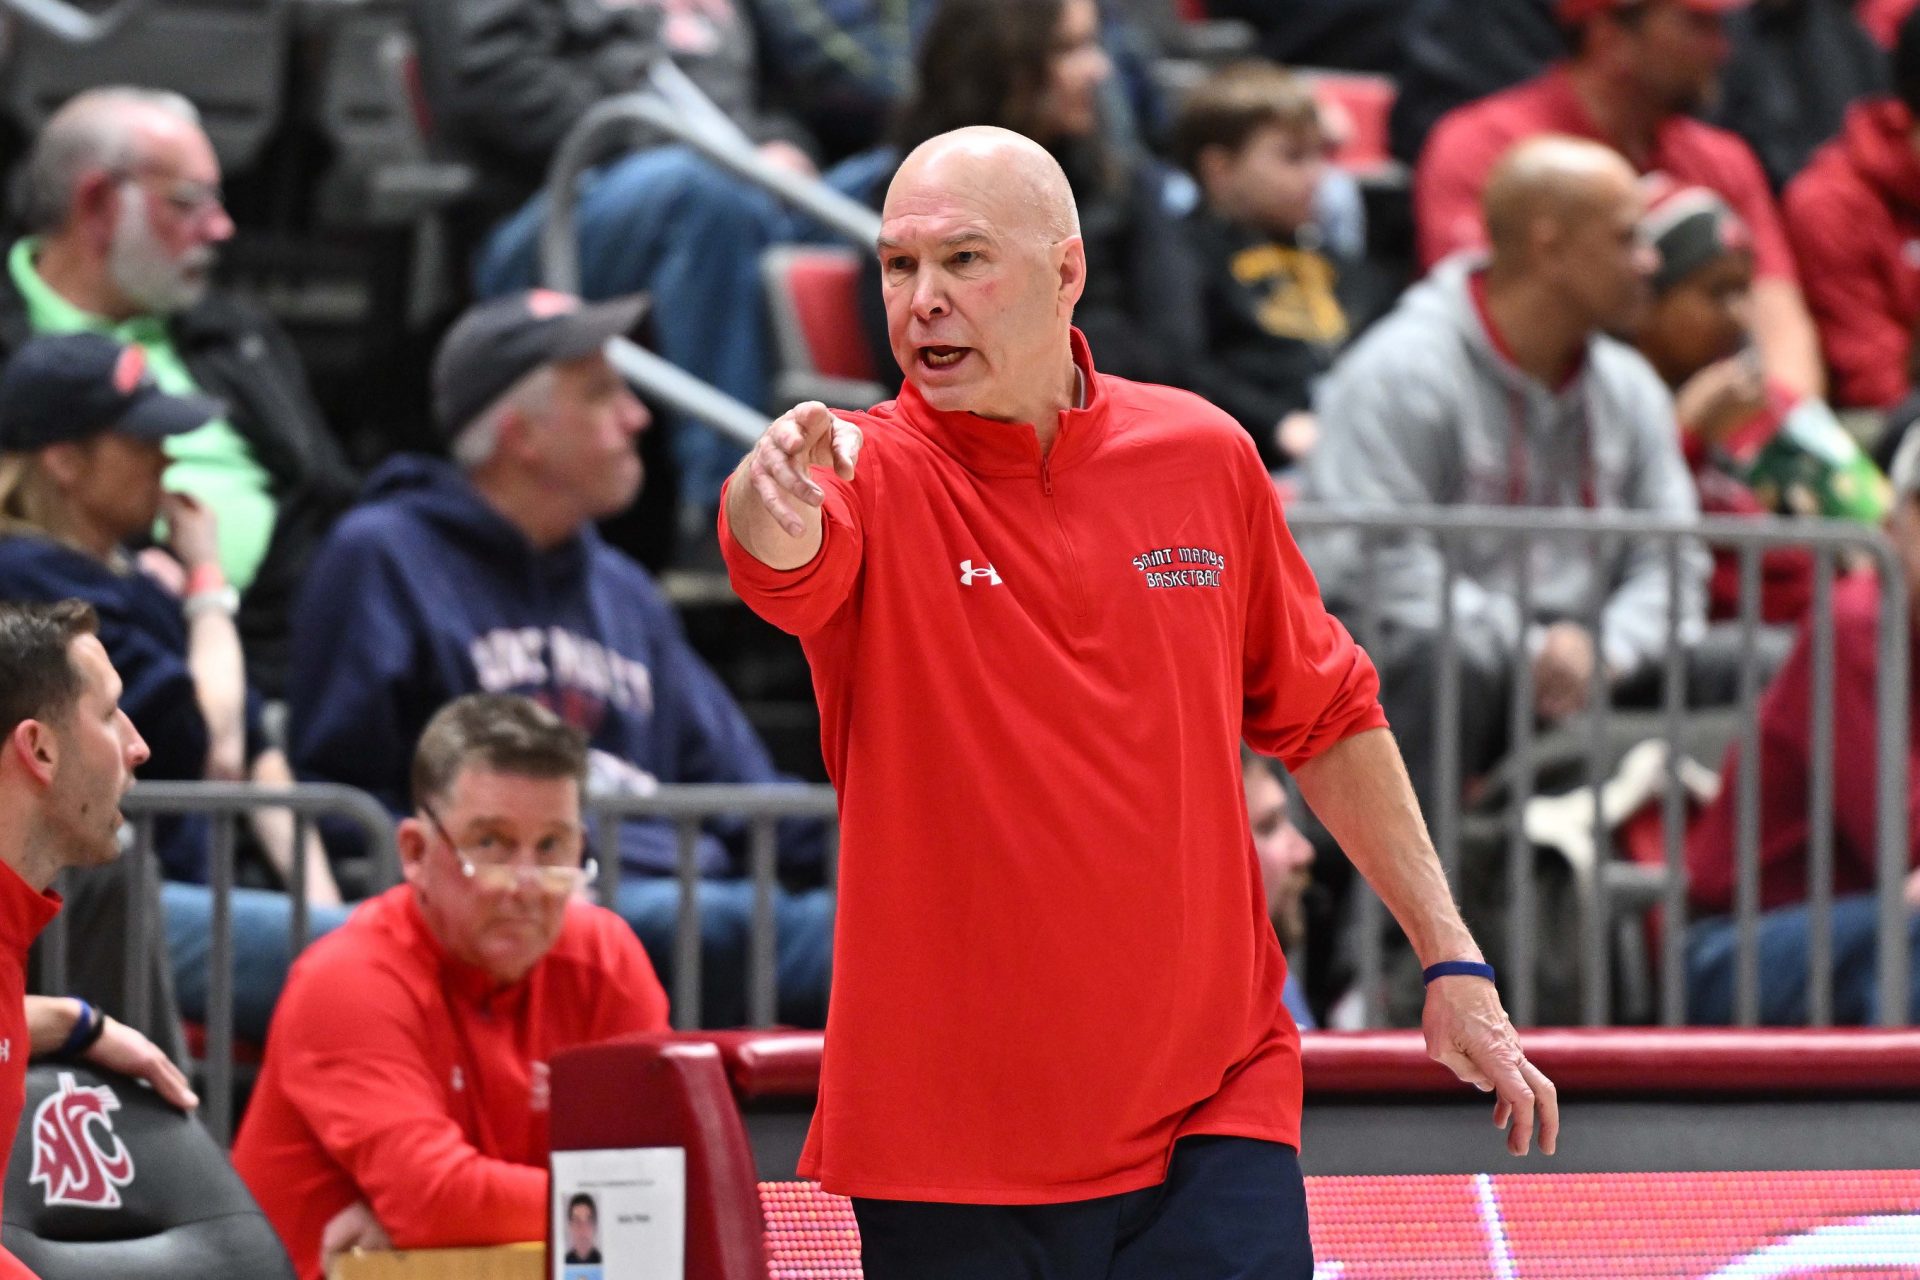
x=1052, y=955
x=24, y=912
x=1469, y=141
x=400, y=1076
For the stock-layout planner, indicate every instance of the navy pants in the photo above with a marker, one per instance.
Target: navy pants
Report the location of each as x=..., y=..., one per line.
x=1230, y=1209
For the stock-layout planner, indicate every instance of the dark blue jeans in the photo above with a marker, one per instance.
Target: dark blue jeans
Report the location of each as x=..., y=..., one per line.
x=666, y=222
x=262, y=949
x=803, y=946
x=1784, y=952
x=1230, y=1209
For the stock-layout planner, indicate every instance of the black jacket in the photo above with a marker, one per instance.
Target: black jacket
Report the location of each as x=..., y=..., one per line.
x=243, y=358
x=1276, y=312
x=507, y=79
x=1458, y=51
x=1797, y=65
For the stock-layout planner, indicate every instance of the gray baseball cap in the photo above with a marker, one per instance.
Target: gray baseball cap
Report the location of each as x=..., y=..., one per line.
x=499, y=342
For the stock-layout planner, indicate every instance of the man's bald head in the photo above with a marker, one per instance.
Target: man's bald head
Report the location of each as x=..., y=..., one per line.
x=1555, y=180
x=1011, y=179
x=1563, y=216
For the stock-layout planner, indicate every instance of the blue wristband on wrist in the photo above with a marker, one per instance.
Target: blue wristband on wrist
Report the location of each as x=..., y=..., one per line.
x=83, y=1035
x=1457, y=969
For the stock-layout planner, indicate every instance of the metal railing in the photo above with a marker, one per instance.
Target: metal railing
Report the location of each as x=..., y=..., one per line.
x=70, y=23
x=224, y=804
x=1608, y=884
x=674, y=106
x=688, y=807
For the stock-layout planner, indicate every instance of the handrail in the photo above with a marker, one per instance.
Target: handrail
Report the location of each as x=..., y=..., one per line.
x=66, y=22
x=674, y=106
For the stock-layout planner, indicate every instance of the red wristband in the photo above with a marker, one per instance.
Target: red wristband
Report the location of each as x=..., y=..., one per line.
x=205, y=578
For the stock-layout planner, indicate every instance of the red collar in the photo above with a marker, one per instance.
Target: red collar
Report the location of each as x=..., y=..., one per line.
x=1567, y=113
x=1477, y=289
x=24, y=910
x=992, y=448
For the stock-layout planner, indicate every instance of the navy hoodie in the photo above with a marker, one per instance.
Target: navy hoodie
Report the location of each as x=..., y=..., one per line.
x=424, y=592
x=145, y=635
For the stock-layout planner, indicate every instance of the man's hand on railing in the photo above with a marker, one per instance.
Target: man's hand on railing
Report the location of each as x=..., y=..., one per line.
x=122, y=1049
x=1468, y=1033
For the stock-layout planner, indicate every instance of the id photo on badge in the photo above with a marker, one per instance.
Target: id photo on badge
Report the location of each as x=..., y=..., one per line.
x=582, y=1260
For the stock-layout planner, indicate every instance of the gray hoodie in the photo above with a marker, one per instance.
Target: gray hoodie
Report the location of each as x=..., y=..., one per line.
x=1426, y=411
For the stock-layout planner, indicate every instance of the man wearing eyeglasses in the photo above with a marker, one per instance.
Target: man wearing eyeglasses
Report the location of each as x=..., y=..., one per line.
x=125, y=221
x=403, y=1102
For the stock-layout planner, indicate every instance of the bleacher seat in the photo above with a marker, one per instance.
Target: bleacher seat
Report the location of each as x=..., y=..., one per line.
x=1362, y=104
x=813, y=293
x=229, y=57
x=105, y=1179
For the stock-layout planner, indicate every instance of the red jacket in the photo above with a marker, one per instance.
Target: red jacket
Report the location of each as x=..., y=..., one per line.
x=1854, y=215
x=1052, y=956
x=1786, y=717
x=1470, y=140
x=400, y=1076
x=23, y=914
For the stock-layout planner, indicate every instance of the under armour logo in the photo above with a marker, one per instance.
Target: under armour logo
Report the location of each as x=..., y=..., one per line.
x=968, y=573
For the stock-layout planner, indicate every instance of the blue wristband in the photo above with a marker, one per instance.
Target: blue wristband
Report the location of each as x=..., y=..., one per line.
x=1457, y=969
x=83, y=1035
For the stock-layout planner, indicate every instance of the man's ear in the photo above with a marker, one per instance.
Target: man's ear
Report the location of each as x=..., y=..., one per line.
x=410, y=838
x=94, y=209
x=1073, y=270
x=37, y=748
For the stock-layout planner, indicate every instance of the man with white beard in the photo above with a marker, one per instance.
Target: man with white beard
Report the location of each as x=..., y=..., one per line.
x=123, y=208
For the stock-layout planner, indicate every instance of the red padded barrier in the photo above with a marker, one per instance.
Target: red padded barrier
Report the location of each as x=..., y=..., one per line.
x=664, y=1091
x=1635, y=1061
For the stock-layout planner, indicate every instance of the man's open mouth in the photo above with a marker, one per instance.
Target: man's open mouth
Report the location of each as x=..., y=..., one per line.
x=942, y=357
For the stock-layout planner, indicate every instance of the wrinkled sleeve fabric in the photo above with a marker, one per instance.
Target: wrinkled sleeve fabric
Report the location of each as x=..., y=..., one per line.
x=1446, y=186
x=1307, y=684
x=802, y=601
x=1840, y=241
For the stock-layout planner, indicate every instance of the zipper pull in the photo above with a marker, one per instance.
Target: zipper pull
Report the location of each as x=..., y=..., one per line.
x=1046, y=476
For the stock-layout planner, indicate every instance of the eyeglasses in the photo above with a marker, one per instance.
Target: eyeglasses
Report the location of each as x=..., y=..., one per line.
x=487, y=860
x=189, y=200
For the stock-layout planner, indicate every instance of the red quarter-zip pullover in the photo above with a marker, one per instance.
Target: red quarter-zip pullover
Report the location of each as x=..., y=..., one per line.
x=400, y=1076
x=24, y=912
x=1052, y=956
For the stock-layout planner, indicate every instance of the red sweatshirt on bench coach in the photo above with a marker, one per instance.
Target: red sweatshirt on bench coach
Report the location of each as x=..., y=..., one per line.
x=1052, y=955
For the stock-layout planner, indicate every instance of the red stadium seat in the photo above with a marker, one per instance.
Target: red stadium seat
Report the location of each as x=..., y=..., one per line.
x=1359, y=105
x=813, y=293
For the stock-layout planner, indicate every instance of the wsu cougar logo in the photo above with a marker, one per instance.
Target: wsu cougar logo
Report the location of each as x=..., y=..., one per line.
x=75, y=1151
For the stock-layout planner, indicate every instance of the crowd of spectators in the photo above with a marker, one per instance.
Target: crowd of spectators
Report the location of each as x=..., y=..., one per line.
x=1646, y=283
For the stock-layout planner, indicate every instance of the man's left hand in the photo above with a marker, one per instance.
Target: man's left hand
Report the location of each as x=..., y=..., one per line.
x=1467, y=1032
x=120, y=1048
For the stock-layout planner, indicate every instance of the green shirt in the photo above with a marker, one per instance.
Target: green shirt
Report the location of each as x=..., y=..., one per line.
x=212, y=463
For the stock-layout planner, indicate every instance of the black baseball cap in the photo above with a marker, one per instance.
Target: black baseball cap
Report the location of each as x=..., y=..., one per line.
x=74, y=386
x=497, y=343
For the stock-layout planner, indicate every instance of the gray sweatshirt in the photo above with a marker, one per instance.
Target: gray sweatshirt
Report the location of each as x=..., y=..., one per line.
x=1426, y=411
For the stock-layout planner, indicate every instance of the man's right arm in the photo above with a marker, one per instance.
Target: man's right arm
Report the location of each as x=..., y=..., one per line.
x=379, y=1109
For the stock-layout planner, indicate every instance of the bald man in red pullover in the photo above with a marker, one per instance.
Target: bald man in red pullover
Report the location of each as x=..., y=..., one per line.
x=1043, y=606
